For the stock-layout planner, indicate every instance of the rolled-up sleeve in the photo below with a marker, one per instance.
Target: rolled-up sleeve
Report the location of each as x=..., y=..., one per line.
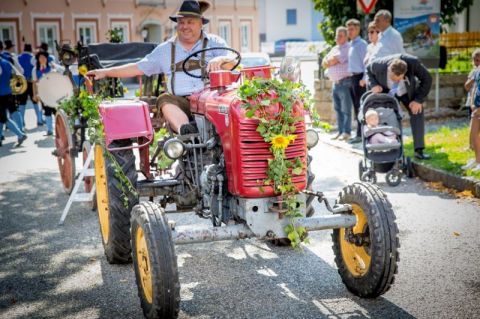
x=151, y=63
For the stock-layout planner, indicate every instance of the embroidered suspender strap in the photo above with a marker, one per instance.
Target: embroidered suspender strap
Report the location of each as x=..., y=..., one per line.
x=193, y=65
x=202, y=59
x=172, y=67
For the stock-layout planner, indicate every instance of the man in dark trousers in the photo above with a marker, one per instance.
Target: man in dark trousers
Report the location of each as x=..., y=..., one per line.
x=406, y=78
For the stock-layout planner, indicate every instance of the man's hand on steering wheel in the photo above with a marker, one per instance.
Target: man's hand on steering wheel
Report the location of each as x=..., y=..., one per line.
x=97, y=74
x=220, y=63
x=215, y=64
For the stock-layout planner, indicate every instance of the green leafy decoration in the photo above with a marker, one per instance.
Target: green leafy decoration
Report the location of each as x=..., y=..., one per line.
x=85, y=106
x=271, y=102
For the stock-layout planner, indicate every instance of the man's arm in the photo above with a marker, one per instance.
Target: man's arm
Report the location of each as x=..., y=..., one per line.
x=421, y=72
x=124, y=71
x=372, y=78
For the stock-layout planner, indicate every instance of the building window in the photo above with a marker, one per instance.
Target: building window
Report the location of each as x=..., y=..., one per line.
x=123, y=27
x=245, y=36
x=291, y=16
x=8, y=31
x=225, y=30
x=86, y=32
x=48, y=32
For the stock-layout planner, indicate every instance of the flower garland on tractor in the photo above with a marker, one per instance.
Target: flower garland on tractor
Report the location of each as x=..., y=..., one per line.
x=277, y=127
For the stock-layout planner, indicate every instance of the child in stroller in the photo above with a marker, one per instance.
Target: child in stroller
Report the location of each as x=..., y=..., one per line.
x=382, y=139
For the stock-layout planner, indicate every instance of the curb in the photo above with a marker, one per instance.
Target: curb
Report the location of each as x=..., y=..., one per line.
x=422, y=171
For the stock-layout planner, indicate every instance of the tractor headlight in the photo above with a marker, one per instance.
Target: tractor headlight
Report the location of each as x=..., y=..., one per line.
x=174, y=148
x=312, y=138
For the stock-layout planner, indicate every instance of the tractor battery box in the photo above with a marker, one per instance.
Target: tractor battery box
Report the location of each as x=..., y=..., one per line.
x=125, y=119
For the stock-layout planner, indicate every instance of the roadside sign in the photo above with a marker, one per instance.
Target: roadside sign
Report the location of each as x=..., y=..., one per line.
x=367, y=5
x=419, y=24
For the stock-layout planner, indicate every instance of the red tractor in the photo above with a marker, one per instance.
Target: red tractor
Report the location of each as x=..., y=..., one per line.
x=216, y=175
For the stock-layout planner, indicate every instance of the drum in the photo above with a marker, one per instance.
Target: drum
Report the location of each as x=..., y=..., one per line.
x=53, y=88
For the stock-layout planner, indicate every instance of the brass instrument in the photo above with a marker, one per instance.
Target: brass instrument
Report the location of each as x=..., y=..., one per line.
x=18, y=84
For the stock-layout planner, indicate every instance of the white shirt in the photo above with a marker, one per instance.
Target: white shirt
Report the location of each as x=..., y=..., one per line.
x=391, y=43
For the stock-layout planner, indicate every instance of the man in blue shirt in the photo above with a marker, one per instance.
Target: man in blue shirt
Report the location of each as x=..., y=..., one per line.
x=25, y=60
x=391, y=41
x=174, y=105
x=356, y=55
x=7, y=102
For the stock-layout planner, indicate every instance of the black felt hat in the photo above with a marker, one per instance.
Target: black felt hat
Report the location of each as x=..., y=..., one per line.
x=191, y=8
x=27, y=47
x=9, y=44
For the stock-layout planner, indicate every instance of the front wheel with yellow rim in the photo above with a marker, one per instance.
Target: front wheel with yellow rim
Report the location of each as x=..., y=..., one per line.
x=154, y=261
x=115, y=201
x=367, y=253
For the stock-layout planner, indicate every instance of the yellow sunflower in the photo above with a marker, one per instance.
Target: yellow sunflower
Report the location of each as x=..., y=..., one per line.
x=280, y=142
x=291, y=138
x=82, y=70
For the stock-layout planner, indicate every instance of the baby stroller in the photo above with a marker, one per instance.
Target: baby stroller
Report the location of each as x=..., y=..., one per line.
x=383, y=158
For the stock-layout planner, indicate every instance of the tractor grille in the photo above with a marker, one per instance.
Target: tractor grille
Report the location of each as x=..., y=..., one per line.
x=255, y=153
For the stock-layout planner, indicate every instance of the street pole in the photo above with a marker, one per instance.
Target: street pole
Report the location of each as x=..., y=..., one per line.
x=437, y=90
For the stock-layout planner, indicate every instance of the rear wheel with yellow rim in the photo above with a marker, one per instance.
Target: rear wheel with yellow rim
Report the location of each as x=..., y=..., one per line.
x=367, y=253
x=115, y=202
x=154, y=261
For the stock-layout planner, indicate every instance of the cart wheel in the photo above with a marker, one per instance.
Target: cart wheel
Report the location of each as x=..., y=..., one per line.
x=409, y=168
x=367, y=254
x=155, y=262
x=88, y=181
x=393, y=178
x=113, y=209
x=361, y=170
x=64, y=148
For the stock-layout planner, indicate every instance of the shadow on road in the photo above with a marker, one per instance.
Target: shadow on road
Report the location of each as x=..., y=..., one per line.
x=60, y=271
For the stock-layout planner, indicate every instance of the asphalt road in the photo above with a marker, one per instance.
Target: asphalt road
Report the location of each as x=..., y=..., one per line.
x=47, y=271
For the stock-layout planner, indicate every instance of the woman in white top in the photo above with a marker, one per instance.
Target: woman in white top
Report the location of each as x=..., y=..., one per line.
x=372, y=48
x=42, y=67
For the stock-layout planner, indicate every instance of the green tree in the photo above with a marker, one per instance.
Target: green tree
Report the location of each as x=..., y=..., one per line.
x=337, y=12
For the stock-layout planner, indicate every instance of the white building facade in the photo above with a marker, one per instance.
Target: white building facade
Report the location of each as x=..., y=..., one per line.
x=283, y=19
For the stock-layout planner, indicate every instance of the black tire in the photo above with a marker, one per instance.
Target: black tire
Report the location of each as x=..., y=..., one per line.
x=393, y=178
x=409, y=168
x=378, y=253
x=116, y=241
x=156, y=268
x=361, y=170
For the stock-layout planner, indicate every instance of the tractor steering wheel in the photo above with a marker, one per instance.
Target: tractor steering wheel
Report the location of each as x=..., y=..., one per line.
x=196, y=53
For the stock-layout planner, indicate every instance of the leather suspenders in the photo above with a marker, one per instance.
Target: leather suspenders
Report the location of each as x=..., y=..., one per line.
x=193, y=65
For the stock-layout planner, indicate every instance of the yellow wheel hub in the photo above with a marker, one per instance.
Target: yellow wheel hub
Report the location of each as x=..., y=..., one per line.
x=356, y=258
x=102, y=193
x=143, y=262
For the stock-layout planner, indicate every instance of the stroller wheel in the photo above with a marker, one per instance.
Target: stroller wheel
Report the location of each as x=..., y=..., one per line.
x=393, y=178
x=361, y=170
x=369, y=176
x=409, y=168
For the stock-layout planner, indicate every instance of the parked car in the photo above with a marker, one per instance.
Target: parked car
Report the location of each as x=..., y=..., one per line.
x=251, y=59
x=280, y=45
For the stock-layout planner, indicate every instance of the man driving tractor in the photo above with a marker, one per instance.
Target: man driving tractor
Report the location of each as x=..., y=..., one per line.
x=168, y=57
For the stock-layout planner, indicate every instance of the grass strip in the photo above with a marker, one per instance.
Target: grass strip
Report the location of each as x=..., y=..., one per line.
x=449, y=149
